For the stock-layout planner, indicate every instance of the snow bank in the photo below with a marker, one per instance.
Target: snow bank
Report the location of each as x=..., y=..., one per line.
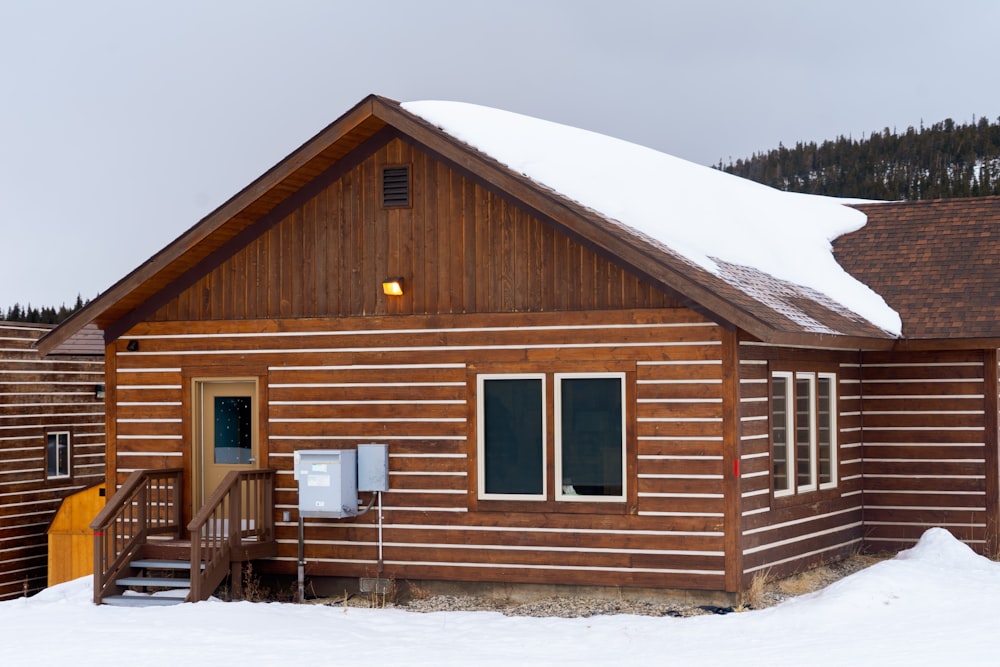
x=702, y=213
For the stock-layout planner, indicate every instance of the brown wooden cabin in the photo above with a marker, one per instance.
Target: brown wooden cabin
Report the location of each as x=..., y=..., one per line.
x=51, y=442
x=514, y=299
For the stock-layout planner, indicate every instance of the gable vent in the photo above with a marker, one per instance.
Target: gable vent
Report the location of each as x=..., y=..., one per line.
x=396, y=186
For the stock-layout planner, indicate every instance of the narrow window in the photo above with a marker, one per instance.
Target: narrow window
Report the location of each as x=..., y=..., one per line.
x=826, y=423
x=233, y=430
x=511, y=449
x=57, y=455
x=781, y=427
x=805, y=431
x=590, y=437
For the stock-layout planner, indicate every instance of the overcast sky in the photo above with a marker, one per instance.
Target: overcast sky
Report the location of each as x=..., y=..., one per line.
x=123, y=123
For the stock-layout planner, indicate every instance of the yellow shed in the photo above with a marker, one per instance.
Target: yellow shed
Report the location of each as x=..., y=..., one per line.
x=71, y=541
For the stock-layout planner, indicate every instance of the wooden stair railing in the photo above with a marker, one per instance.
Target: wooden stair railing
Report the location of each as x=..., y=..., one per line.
x=147, y=504
x=235, y=524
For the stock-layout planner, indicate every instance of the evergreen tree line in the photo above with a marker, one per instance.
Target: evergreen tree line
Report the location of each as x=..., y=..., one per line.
x=937, y=162
x=45, y=315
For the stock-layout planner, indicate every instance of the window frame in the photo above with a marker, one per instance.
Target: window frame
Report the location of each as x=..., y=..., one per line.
x=560, y=495
x=68, y=461
x=482, y=494
x=793, y=445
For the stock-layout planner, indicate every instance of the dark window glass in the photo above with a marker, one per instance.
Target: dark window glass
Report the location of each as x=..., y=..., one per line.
x=512, y=436
x=592, y=440
x=233, y=431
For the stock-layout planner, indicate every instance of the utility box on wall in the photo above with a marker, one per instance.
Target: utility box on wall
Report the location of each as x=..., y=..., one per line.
x=328, y=486
x=373, y=467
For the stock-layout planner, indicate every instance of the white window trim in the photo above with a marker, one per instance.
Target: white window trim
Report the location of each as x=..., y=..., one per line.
x=560, y=495
x=832, y=484
x=813, y=440
x=789, y=433
x=481, y=438
x=69, y=456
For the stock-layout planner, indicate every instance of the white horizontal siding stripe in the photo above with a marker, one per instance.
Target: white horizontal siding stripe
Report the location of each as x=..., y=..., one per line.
x=681, y=362
x=170, y=454
x=363, y=420
x=704, y=515
x=935, y=445
x=390, y=332
x=45, y=371
x=757, y=418
x=682, y=438
x=918, y=508
x=758, y=455
x=49, y=415
x=681, y=420
x=512, y=547
x=796, y=522
x=680, y=400
x=677, y=476
x=149, y=370
x=754, y=399
x=135, y=387
x=506, y=566
x=921, y=412
x=408, y=402
x=170, y=420
x=678, y=457
x=149, y=437
x=419, y=348
x=956, y=364
x=412, y=473
x=143, y=404
x=751, y=475
x=709, y=381
x=936, y=524
x=774, y=563
x=850, y=478
x=759, y=492
x=759, y=510
x=871, y=476
x=426, y=456
x=937, y=380
x=919, y=492
x=452, y=492
x=680, y=495
x=802, y=538
x=759, y=436
x=906, y=540
x=365, y=367
x=753, y=380
x=365, y=438
x=936, y=397
x=930, y=461
x=754, y=362
x=348, y=385
x=924, y=428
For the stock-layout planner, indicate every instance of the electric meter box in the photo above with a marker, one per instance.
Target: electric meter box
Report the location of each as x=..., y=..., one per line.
x=373, y=467
x=328, y=483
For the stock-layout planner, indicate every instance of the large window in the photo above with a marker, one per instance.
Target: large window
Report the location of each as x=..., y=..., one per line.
x=589, y=428
x=511, y=436
x=803, y=431
x=57, y=455
x=590, y=437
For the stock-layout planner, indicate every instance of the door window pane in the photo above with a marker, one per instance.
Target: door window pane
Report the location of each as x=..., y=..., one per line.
x=591, y=436
x=512, y=436
x=233, y=435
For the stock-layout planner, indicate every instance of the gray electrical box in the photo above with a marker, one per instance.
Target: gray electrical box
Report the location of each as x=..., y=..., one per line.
x=373, y=467
x=328, y=483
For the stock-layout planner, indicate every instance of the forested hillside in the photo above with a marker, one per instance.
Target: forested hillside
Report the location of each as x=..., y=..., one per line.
x=941, y=161
x=44, y=315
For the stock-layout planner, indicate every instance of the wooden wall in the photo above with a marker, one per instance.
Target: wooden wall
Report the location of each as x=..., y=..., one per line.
x=38, y=396
x=410, y=382
x=460, y=248
x=789, y=534
x=927, y=446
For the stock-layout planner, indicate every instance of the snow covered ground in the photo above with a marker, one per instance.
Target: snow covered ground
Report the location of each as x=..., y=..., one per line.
x=935, y=604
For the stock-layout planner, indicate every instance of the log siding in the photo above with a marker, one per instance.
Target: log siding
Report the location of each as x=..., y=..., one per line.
x=409, y=382
x=925, y=446
x=39, y=396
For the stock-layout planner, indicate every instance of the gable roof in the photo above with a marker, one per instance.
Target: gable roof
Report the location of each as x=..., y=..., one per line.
x=935, y=262
x=736, y=294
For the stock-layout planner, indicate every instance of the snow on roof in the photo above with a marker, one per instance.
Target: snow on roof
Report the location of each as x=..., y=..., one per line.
x=706, y=215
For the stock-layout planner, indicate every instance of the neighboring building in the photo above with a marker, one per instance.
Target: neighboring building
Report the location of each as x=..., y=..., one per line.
x=566, y=399
x=51, y=442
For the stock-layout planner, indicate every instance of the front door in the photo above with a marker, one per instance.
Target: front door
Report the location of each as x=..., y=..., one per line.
x=225, y=432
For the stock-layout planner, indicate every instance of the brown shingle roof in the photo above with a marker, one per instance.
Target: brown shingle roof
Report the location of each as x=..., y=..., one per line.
x=937, y=263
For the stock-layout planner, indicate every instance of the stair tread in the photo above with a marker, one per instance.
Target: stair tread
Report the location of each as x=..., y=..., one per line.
x=141, y=601
x=157, y=582
x=163, y=564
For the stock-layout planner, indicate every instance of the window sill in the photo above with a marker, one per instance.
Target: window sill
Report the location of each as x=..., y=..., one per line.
x=617, y=507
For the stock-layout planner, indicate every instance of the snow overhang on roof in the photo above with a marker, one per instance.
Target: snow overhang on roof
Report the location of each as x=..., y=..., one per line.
x=713, y=219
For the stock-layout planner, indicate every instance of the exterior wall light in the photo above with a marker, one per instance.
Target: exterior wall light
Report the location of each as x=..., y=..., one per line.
x=392, y=286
